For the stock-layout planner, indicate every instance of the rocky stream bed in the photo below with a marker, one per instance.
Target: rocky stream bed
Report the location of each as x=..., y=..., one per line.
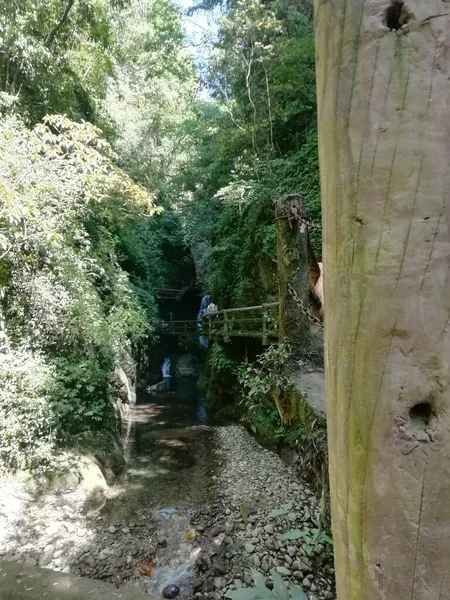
x=198, y=507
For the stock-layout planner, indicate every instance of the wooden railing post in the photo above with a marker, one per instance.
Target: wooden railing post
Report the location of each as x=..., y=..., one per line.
x=264, y=326
x=225, y=327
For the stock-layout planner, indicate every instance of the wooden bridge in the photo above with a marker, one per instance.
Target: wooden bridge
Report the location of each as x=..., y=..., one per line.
x=251, y=321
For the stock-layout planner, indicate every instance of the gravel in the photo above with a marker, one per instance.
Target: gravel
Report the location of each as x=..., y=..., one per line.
x=234, y=535
x=253, y=482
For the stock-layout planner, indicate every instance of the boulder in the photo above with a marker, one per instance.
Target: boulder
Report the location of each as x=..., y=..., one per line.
x=187, y=365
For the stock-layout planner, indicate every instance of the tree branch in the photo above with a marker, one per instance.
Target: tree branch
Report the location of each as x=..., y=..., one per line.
x=53, y=33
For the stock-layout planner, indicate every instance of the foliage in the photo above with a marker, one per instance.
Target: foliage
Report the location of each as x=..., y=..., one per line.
x=266, y=374
x=221, y=365
x=259, y=383
x=67, y=308
x=149, y=92
x=255, y=140
x=280, y=590
x=310, y=539
x=283, y=510
x=54, y=56
x=27, y=428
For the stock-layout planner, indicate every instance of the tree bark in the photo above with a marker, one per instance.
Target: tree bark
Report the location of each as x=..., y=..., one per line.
x=384, y=143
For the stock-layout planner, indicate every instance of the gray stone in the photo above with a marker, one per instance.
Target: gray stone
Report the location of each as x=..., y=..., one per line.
x=89, y=560
x=112, y=529
x=249, y=548
x=221, y=567
x=257, y=532
x=306, y=583
x=283, y=571
x=171, y=591
x=32, y=562
x=218, y=583
x=292, y=551
x=269, y=528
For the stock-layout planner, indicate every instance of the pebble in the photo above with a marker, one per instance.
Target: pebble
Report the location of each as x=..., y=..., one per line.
x=218, y=583
x=112, y=529
x=249, y=548
x=283, y=571
x=171, y=591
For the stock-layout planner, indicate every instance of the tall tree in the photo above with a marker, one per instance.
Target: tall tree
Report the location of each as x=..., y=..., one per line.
x=383, y=100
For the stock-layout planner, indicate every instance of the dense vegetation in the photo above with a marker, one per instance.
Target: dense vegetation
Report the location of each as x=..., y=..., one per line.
x=257, y=140
x=82, y=236
x=115, y=175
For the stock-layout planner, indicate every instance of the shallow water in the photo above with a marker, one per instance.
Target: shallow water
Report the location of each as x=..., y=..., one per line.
x=171, y=461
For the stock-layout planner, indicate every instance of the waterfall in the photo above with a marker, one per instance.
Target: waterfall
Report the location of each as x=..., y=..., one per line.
x=166, y=367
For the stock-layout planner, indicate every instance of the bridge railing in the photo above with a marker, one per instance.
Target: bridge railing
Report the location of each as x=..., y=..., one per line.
x=249, y=321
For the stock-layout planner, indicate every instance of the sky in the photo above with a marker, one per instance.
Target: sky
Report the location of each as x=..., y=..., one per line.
x=199, y=27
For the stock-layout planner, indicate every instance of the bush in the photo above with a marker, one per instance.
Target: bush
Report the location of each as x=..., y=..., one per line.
x=27, y=421
x=67, y=308
x=262, y=383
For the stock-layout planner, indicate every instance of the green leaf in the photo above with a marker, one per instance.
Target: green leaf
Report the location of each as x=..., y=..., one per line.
x=297, y=593
x=242, y=594
x=293, y=534
x=276, y=512
x=279, y=587
x=259, y=579
x=244, y=512
x=287, y=507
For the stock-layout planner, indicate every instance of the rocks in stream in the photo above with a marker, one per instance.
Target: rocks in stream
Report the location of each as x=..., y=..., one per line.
x=235, y=534
x=171, y=591
x=252, y=483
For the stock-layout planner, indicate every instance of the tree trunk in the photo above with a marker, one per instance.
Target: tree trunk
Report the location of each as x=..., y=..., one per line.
x=384, y=140
x=292, y=260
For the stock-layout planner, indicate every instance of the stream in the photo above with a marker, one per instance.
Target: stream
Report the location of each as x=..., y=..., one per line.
x=197, y=507
x=171, y=462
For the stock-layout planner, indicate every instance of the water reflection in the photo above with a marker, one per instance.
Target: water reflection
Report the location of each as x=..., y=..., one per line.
x=171, y=459
x=201, y=411
x=170, y=452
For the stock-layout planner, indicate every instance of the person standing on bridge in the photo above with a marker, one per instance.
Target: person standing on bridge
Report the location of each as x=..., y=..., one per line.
x=205, y=303
x=211, y=308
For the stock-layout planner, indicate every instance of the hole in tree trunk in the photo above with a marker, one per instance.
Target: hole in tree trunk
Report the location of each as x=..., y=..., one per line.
x=397, y=15
x=420, y=414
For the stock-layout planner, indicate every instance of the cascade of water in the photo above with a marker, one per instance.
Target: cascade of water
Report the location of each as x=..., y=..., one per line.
x=166, y=367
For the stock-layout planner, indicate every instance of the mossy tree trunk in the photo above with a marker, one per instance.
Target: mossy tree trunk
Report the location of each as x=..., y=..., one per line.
x=384, y=138
x=292, y=259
